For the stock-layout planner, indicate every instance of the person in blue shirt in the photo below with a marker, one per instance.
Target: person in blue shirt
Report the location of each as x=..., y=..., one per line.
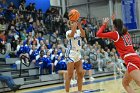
x=9, y=82
x=60, y=64
x=33, y=53
x=61, y=67
x=43, y=63
x=48, y=45
x=40, y=37
x=87, y=67
x=29, y=29
x=23, y=52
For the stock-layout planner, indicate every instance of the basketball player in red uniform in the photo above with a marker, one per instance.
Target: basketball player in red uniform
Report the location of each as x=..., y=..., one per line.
x=123, y=44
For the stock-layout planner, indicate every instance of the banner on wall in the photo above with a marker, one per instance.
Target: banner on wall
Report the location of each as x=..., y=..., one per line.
x=40, y=4
x=129, y=14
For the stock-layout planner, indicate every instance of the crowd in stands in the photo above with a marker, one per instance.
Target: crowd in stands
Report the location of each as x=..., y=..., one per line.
x=22, y=31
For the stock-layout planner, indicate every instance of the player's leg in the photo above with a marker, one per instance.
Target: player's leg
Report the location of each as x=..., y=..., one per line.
x=135, y=74
x=126, y=81
x=70, y=69
x=80, y=74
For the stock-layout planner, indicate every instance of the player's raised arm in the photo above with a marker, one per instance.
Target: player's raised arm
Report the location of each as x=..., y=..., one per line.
x=81, y=29
x=102, y=34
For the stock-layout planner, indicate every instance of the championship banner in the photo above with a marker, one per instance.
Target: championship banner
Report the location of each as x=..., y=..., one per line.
x=129, y=14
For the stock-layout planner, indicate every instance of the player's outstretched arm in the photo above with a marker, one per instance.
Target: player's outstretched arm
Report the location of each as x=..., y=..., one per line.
x=110, y=35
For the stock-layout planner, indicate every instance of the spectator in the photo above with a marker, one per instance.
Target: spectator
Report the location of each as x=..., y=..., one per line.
x=43, y=63
x=2, y=40
x=53, y=38
x=138, y=51
x=22, y=6
x=23, y=52
x=33, y=53
x=11, y=6
x=10, y=83
x=3, y=4
x=87, y=67
x=60, y=64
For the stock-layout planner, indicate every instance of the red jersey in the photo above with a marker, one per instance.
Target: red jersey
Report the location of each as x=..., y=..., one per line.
x=123, y=43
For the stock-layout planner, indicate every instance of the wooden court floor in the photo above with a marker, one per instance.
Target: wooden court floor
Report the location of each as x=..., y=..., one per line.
x=108, y=84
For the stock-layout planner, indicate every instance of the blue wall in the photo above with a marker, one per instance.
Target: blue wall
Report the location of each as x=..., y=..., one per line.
x=40, y=4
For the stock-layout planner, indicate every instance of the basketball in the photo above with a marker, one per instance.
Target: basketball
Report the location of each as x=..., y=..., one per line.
x=74, y=15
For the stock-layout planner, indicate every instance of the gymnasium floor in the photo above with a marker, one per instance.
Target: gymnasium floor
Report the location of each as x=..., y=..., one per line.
x=109, y=84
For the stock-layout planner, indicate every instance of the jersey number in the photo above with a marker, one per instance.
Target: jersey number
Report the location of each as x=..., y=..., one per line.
x=79, y=43
x=127, y=40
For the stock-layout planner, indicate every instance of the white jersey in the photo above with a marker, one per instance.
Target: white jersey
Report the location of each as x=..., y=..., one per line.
x=75, y=42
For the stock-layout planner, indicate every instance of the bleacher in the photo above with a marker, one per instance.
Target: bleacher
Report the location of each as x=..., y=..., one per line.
x=30, y=76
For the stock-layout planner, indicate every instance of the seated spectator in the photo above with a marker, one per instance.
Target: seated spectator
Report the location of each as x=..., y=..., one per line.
x=121, y=68
x=53, y=38
x=1, y=13
x=48, y=45
x=43, y=63
x=35, y=42
x=10, y=83
x=109, y=66
x=2, y=41
x=3, y=4
x=40, y=37
x=11, y=6
x=138, y=51
x=33, y=53
x=54, y=55
x=23, y=52
x=87, y=67
x=60, y=64
x=48, y=56
x=22, y=6
x=93, y=59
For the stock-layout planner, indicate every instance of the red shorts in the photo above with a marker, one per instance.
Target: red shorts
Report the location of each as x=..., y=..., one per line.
x=132, y=62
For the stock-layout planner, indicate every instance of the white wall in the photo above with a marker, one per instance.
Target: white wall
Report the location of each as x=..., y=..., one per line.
x=82, y=9
x=118, y=9
x=55, y=2
x=99, y=9
x=74, y=2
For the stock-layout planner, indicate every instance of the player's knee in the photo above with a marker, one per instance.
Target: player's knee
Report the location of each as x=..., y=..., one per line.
x=69, y=76
x=138, y=83
x=125, y=83
x=80, y=73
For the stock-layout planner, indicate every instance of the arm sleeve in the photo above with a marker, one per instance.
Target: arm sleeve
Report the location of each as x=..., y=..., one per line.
x=111, y=35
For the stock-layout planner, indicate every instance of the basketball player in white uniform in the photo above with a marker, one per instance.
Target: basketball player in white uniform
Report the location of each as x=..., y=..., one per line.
x=73, y=54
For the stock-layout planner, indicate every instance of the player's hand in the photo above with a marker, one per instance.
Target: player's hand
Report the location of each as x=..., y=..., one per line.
x=113, y=16
x=105, y=21
x=79, y=25
x=73, y=24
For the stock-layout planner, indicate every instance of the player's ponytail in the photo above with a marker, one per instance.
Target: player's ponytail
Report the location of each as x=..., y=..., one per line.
x=118, y=23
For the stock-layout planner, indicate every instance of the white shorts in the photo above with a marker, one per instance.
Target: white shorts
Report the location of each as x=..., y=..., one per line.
x=73, y=56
